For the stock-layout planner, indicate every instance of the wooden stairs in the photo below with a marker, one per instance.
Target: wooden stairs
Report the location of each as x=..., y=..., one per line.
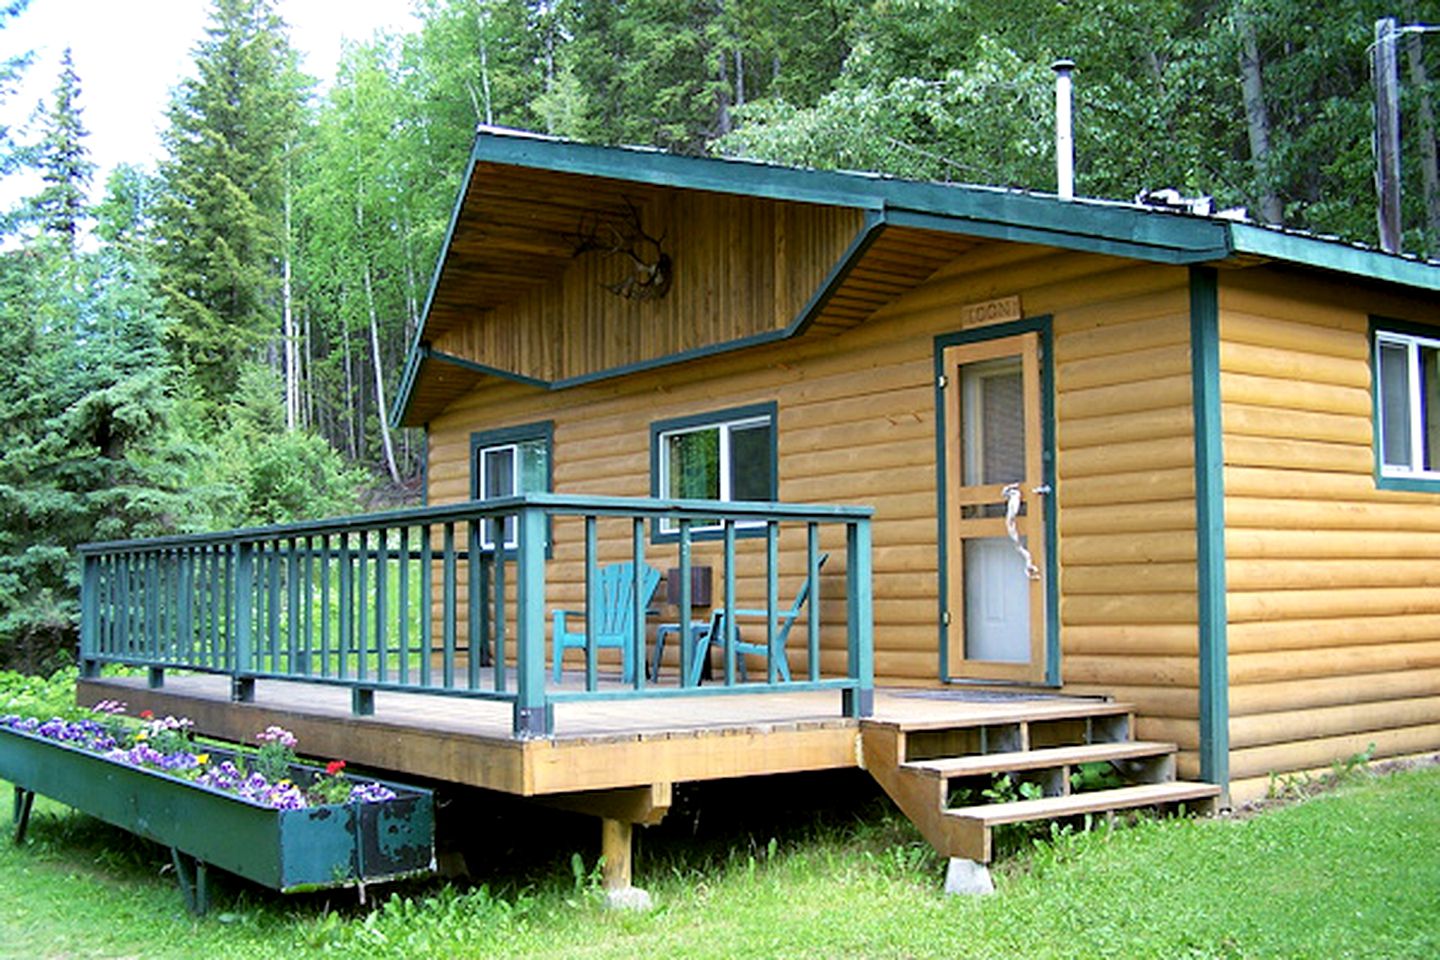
x=921, y=764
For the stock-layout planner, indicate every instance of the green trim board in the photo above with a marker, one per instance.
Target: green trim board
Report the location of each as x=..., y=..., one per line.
x=1335, y=255
x=1043, y=326
x=1214, y=680
x=752, y=411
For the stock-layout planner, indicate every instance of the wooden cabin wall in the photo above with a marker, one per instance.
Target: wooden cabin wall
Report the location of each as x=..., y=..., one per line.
x=856, y=425
x=742, y=266
x=1334, y=611
x=1126, y=496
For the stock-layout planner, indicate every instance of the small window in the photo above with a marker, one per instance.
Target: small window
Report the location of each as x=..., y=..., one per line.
x=729, y=455
x=1407, y=400
x=507, y=463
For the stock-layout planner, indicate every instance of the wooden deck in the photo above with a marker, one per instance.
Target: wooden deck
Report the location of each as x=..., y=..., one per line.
x=597, y=746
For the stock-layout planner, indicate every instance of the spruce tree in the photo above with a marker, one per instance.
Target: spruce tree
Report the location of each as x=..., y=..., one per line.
x=64, y=163
x=220, y=219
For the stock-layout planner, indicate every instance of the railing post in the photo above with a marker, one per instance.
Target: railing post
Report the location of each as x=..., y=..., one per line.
x=244, y=614
x=534, y=716
x=89, y=616
x=859, y=620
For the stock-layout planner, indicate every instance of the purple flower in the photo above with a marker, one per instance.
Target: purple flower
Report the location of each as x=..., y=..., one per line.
x=371, y=793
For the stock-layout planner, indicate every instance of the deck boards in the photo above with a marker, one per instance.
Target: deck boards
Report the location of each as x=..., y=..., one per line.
x=600, y=745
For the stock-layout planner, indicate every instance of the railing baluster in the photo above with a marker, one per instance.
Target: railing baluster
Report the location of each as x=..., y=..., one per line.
x=497, y=559
x=325, y=669
x=307, y=644
x=592, y=602
x=812, y=616
x=687, y=653
x=382, y=604
x=772, y=600
x=637, y=618
x=403, y=592
x=475, y=652
x=342, y=642
x=362, y=606
x=730, y=627
x=448, y=601
x=427, y=613
x=487, y=622
x=292, y=607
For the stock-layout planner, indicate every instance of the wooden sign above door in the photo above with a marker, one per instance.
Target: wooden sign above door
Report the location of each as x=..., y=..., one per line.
x=990, y=311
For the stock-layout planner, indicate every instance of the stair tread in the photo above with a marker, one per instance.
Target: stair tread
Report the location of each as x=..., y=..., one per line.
x=1098, y=801
x=989, y=714
x=981, y=763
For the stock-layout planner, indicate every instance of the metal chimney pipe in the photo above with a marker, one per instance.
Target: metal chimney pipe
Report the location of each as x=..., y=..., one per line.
x=1064, y=132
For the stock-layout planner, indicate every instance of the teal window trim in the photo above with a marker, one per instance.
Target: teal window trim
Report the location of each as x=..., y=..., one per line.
x=543, y=431
x=1395, y=331
x=1214, y=679
x=1044, y=326
x=659, y=428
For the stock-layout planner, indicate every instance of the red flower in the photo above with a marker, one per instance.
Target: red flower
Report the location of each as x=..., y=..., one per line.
x=147, y=714
x=334, y=767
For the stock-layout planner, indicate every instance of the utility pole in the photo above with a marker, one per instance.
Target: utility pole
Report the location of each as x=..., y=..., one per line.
x=1385, y=67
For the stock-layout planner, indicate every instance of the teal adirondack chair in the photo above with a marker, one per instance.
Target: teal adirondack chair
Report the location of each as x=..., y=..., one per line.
x=614, y=607
x=785, y=622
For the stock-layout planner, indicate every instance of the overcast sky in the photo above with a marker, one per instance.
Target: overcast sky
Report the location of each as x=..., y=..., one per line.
x=130, y=53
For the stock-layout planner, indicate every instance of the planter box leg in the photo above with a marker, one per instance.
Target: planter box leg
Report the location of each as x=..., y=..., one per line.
x=24, y=801
x=194, y=888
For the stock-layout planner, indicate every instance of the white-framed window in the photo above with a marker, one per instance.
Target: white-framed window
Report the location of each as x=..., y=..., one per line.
x=728, y=455
x=1407, y=404
x=506, y=463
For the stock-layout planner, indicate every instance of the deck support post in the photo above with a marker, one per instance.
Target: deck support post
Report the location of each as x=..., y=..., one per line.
x=155, y=678
x=242, y=689
x=190, y=874
x=615, y=850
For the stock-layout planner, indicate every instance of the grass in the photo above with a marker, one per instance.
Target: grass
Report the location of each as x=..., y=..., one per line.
x=1351, y=873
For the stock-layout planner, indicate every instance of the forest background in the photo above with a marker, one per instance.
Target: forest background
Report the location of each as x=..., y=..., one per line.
x=216, y=342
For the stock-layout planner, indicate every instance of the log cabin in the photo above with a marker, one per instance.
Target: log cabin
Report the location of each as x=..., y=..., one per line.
x=1055, y=480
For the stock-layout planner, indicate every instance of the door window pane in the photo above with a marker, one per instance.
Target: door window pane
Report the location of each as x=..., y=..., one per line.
x=1395, y=404
x=750, y=461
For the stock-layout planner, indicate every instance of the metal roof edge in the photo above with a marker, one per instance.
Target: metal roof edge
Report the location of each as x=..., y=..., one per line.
x=1334, y=255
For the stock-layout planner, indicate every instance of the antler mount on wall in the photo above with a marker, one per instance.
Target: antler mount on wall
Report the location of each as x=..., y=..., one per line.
x=651, y=269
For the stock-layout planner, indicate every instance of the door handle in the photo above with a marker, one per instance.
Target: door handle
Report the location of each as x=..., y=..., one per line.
x=1012, y=494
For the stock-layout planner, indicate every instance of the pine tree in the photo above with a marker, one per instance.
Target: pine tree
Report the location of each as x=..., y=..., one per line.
x=220, y=220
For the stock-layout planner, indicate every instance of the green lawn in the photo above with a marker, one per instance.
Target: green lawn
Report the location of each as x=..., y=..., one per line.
x=1354, y=873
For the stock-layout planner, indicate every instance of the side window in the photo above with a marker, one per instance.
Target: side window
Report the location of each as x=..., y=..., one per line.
x=1407, y=405
x=507, y=463
x=727, y=455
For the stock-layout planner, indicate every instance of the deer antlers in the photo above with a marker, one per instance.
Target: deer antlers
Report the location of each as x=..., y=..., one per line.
x=650, y=273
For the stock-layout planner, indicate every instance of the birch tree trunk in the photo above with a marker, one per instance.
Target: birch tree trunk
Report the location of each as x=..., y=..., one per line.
x=292, y=346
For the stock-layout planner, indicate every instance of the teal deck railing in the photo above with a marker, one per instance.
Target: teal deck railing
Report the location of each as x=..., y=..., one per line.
x=423, y=601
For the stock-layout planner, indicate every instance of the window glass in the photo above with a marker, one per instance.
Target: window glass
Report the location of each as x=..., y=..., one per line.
x=751, y=463
x=693, y=462
x=513, y=464
x=1395, y=404
x=1407, y=402
x=728, y=459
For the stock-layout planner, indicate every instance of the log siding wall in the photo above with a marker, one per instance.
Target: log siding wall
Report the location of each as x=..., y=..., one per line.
x=856, y=425
x=1334, y=615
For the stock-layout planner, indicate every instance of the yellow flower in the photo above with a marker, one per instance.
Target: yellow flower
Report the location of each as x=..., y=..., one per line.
x=202, y=758
x=142, y=735
x=284, y=784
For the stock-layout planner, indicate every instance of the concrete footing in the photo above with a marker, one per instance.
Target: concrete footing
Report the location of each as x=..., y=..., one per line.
x=628, y=898
x=967, y=878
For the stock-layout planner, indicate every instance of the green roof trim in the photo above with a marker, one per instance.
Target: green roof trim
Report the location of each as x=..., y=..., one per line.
x=1335, y=255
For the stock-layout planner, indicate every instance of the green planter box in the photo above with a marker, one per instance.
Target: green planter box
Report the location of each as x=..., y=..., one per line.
x=288, y=850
